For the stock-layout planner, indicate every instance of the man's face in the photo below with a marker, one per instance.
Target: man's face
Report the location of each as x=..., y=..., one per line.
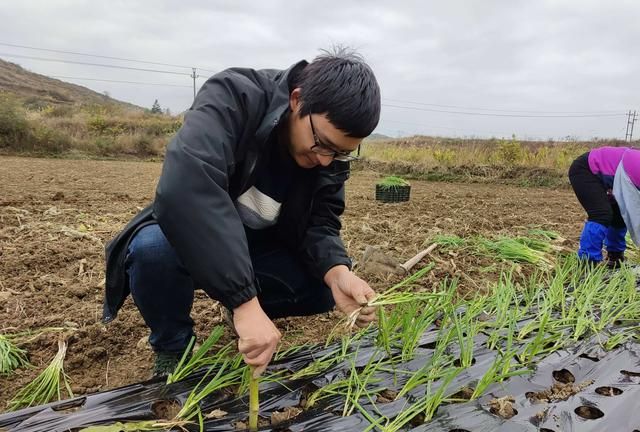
x=313, y=140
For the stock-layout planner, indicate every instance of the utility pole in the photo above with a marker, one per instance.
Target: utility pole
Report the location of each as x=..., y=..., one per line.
x=631, y=119
x=194, y=76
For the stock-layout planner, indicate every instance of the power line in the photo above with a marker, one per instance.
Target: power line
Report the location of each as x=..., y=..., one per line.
x=499, y=110
x=119, y=81
x=504, y=115
x=93, y=64
x=423, y=128
x=427, y=128
x=536, y=114
x=468, y=110
x=419, y=124
x=101, y=56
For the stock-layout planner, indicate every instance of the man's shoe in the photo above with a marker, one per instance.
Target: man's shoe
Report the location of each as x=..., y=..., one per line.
x=165, y=363
x=615, y=260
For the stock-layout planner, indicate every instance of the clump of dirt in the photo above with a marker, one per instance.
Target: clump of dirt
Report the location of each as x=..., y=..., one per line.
x=216, y=414
x=286, y=414
x=244, y=425
x=558, y=392
x=503, y=407
x=376, y=262
x=540, y=417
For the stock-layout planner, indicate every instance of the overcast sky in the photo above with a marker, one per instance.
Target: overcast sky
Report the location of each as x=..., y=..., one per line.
x=502, y=59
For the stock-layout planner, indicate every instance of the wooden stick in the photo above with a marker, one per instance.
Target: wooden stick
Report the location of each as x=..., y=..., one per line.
x=416, y=259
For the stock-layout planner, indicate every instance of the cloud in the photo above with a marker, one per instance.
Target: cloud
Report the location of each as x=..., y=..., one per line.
x=547, y=56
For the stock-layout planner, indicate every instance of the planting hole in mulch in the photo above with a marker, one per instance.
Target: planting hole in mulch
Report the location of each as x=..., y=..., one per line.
x=564, y=376
x=458, y=362
x=459, y=430
x=608, y=391
x=306, y=391
x=429, y=345
x=549, y=345
x=463, y=395
x=70, y=406
x=588, y=357
x=386, y=396
x=418, y=420
x=546, y=430
x=589, y=413
x=503, y=407
x=165, y=409
x=630, y=373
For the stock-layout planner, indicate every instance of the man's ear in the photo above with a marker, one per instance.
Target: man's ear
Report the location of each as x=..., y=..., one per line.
x=295, y=101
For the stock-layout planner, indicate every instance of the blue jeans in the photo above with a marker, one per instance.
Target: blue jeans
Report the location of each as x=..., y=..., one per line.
x=163, y=290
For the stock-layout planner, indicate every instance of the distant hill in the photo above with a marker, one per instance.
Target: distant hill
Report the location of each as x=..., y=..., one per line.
x=40, y=90
x=377, y=136
x=42, y=116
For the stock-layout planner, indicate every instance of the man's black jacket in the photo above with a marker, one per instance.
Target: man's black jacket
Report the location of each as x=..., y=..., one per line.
x=209, y=163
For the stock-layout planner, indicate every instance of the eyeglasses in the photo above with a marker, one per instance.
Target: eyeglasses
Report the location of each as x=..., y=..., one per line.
x=325, y=150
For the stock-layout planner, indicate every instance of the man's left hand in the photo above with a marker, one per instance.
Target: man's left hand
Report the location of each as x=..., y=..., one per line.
x=351, y=294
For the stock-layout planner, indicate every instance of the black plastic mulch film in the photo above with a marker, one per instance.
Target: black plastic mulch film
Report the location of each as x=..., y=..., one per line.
x=617, y=409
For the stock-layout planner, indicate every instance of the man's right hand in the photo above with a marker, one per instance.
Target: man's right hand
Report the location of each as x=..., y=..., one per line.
x=258, y=336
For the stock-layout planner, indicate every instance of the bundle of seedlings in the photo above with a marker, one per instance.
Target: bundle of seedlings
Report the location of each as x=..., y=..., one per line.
x=536, y=249
x=392, y=182
x=398, y=294
x=516, y=250
x=11, y=356
x=393, y=189
x=45, y=386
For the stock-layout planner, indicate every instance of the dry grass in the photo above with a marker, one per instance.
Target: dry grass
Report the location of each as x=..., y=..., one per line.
x=478, y=160
x=99, y=130
x=83, y=129
x=445, y=152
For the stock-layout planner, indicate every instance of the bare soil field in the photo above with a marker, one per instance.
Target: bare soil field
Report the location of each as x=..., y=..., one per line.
x=56, y=216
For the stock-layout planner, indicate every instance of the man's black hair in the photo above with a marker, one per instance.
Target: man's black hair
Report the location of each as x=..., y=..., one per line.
x=339, y=83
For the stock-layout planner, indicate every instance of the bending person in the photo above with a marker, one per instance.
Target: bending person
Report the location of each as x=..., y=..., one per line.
x=248, y=207
x=606, y=181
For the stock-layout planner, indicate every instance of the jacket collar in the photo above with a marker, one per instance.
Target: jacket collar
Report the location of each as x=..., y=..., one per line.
x=279, y=103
